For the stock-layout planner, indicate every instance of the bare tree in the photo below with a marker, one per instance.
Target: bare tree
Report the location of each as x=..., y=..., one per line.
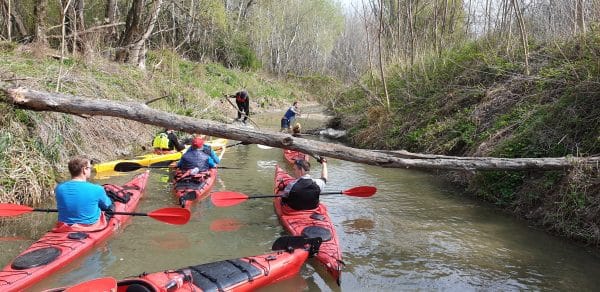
x=524, y=41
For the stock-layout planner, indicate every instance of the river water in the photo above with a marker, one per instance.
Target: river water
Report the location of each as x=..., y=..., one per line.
x=416, y=233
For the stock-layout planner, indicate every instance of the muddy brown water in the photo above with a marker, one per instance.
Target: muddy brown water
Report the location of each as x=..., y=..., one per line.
x=416, y=233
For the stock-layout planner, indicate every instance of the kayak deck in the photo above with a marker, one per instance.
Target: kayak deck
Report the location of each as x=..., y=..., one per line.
x=56, y=249
x=241, y=274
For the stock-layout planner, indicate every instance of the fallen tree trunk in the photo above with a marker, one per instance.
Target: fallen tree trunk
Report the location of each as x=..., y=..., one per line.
x=44, y=101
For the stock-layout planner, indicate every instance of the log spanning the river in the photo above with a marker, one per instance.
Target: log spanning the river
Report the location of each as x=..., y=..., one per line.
x=45, y=101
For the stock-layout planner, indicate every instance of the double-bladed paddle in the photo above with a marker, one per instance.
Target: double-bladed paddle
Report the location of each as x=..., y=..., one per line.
x=176, y=216
x=131, y=166
x=226, y=199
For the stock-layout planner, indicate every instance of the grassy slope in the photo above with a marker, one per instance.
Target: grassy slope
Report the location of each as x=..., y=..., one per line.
x=475, y=101
x=34, y=146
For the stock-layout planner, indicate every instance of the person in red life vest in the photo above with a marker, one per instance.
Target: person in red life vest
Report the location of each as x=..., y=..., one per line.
x=195, y=159
x=242, y=100
x=303, y=192
x=79, y=201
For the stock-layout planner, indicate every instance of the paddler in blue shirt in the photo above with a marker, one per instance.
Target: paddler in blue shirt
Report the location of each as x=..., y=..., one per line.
x=79, y=201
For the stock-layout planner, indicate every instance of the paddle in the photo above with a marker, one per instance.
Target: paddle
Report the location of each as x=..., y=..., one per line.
x=100, y=284
x=177, y=216
x=131, y=166
x=226, y=199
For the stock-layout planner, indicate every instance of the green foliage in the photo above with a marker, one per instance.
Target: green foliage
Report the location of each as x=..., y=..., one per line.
x=499, y=187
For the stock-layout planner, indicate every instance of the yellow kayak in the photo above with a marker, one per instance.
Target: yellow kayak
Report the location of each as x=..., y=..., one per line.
x=217, y=144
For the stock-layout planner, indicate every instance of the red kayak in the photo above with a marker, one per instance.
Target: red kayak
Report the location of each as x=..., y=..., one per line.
x=310, y=223
x=65, y=243
x=242, y=274
x=190, y=188
x=292, y=156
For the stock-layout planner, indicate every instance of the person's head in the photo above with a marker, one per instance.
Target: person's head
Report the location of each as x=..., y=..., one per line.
x=296, y=103
x=301, y=167
x=296, y=129
x=80, y=166
x=167, y=130
x=197, y=142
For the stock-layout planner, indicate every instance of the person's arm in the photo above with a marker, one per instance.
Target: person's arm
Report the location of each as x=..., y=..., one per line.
x=211, y=163
x=324, y=169
x=173, y=139
x=104, y=201
x=214, y=156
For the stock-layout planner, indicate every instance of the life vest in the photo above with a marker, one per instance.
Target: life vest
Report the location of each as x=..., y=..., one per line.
x=194, y=158
x=161, y=141
x=304, y=195
x=241, y=97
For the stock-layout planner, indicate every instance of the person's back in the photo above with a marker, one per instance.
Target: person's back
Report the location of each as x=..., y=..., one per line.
x=195, y=157
x=78, y=201
x=303, y=193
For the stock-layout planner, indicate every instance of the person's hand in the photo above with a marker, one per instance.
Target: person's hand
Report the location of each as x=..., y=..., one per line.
x=321, y=159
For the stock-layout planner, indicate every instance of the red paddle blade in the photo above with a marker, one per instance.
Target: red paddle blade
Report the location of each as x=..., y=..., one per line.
x=226, y=199
x=8, y=210
x=225, y=224
x=362, y=191
x=176, y=216
x=100, y=285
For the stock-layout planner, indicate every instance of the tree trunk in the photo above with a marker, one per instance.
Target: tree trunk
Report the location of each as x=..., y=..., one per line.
x=524, y=41
x=44, y=101
x=110, y=17
x=40, y=11
x=132, y=30
x=580, y=16
x=381, y=70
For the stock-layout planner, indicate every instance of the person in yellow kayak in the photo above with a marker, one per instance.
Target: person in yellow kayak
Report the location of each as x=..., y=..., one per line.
x=303, y=192
x=166, y=141
x=79, y=201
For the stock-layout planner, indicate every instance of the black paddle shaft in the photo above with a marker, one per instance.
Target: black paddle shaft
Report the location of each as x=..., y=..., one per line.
x=277, y=196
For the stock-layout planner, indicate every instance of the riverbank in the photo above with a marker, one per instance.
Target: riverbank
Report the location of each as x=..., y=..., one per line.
x=475, y=100
x=35, y=146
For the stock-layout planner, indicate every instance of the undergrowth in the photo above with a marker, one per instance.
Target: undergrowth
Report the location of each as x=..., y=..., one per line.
x=474, y=100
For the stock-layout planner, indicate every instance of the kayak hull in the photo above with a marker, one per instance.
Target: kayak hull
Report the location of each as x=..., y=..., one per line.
x=57, y=249
x=295, y=222
x=242, y=274
x=291, y=156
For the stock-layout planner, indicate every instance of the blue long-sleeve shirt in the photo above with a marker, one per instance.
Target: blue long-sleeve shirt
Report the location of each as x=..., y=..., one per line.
x=80, y=202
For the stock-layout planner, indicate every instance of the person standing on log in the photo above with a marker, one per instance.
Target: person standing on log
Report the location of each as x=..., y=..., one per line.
x=242, y=100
